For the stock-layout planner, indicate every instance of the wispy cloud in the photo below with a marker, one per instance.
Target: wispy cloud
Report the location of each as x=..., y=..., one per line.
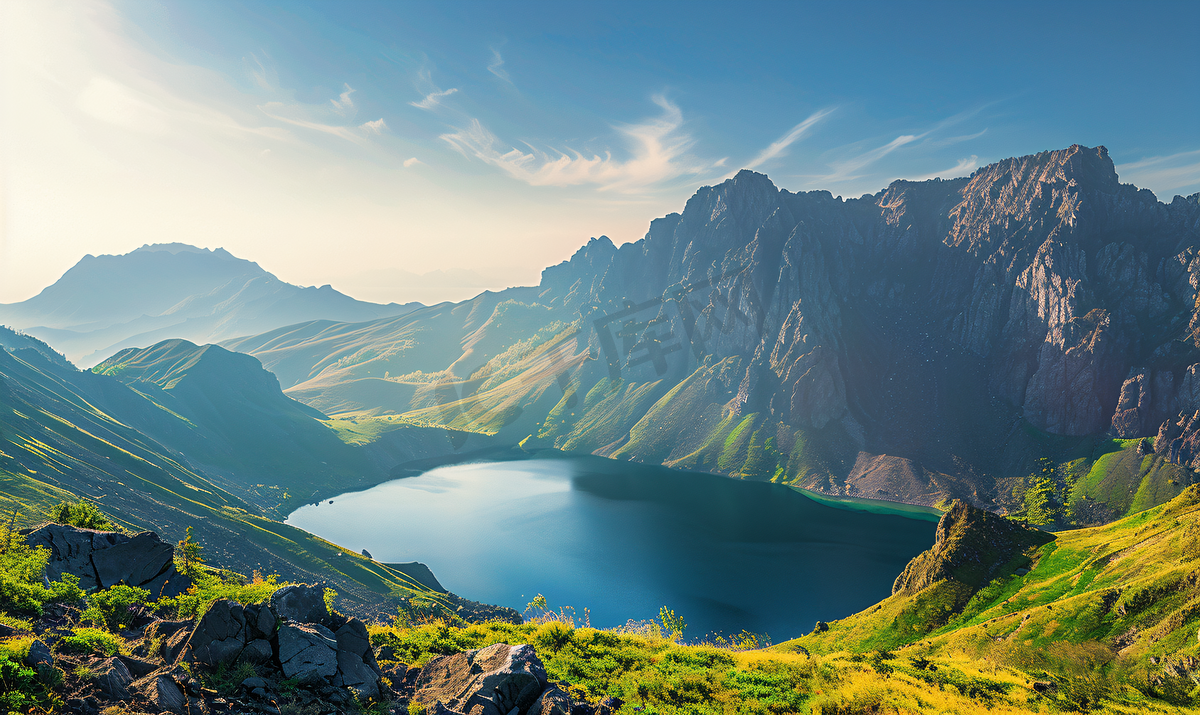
x=780, y=146
x=344, y=104
x=658, y=152
x=1164, y=174
x=318, y=118
x=433, y=99
x=962, y=168
x=409, y=163
x=496, y=66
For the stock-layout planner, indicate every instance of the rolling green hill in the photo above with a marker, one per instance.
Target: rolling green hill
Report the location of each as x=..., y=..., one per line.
x=67, y=434
x=1097, y=612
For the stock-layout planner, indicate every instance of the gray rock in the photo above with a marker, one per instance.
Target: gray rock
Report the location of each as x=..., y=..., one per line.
x=553, y=701
x=106, y=558
x=257, y=651
x=39, y=653
x=307, y=652
x=112, y=679
x=497, y=680
x=261, y=620
x=357, y=668
x=161, y=689
x=219, y=635
x=174, y=646
x=300, y=603
x=254, y=682
x=138, y=668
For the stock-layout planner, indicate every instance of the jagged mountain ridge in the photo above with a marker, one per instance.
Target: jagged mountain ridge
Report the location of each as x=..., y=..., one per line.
x=105, y=303
x=928, y=341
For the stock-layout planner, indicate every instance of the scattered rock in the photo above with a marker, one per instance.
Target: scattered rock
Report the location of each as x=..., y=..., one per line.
x=112, y=679
x=162, y=691
x=300, y=603
x=219, y=635
x=308, y=652
x=553, y=701
x=490, y=681
x=39, y=654
x=106, y=558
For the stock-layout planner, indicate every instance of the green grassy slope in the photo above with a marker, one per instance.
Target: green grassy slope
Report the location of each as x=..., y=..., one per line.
x=1120, y=598
x=62, y=435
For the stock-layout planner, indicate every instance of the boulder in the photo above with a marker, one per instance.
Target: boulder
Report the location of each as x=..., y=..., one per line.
x=219, y=635
x=112, y=679
x=137, y=668
x=553, y=701
x=39, y=654
x=308, y=652
x=257, y=651
x=106, y=558
x=357, y=668
x=497, y=680
x=261, y=621
x=300, y=603
x=161, y=689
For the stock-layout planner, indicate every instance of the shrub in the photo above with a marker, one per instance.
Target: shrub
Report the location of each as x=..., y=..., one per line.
x=22, y=589
x=90, y=641
x=114, y=607
x=82, y=514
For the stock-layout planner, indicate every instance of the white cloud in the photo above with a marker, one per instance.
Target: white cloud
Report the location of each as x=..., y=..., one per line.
x=496, y=66
x=780, y=146
x=409, y=163
x=344, y=104
x=658, y=153
x=962, y=168
x=433, y=99
x=377, y=126
x=1164, y=174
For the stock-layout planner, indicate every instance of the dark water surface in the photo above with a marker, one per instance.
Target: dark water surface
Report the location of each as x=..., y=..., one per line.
x=623, y=539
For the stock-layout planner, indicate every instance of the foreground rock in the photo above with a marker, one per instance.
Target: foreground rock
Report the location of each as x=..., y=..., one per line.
x=497, y=680
x=106, y=558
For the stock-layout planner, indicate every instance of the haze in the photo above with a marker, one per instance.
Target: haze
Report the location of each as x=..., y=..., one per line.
x=427, y=151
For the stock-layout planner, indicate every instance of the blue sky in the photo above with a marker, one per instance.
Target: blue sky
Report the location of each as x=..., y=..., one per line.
x=428, y=150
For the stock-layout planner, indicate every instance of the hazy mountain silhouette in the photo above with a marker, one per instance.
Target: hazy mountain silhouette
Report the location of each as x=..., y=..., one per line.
x=160, y=291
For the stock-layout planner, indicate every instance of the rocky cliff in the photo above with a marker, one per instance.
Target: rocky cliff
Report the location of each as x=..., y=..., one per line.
x=931, y=341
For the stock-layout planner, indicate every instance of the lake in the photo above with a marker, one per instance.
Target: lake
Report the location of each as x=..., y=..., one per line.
x=623, y=539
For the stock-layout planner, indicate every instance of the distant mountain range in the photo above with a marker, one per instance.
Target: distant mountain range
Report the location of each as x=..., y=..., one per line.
x=939, y=339
x=161, y=291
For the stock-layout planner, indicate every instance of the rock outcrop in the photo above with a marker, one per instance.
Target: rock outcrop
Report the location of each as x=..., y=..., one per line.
x=497, y=680
x=106, y=558
x=971, y=547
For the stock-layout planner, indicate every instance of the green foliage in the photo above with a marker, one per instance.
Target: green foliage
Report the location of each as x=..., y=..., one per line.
x=82, y=514
x=672, y=622
x=114, y=607
x=21, y=690
x=227, y=679
x=22, y=589
x=90, y=641
x=190, y=555
x=330, y=596
x=208, y=587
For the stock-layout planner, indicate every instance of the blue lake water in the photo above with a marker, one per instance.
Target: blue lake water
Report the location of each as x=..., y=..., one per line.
x=623, y=539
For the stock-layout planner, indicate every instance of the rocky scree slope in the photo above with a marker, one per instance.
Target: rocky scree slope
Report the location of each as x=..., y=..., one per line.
x=927, y=342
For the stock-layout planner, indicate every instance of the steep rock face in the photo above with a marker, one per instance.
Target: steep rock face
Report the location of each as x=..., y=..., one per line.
x=971, y=546
x=941, y=333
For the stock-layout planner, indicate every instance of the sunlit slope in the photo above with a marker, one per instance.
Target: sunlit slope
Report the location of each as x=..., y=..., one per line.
x=65, y=434
x=1126, y=595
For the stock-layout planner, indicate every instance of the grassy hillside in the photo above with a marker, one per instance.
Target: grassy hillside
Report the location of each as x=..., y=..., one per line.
x=1106, y=612
x=66, y=434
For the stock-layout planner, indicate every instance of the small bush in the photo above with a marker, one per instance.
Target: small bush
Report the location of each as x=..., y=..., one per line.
x=82, y=514
x=22, y=589
x=89, y=641
x=114, y=607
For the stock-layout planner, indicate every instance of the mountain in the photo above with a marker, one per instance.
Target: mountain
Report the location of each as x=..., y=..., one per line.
x=977, y=338
x=178, y=436
x=105, y=303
